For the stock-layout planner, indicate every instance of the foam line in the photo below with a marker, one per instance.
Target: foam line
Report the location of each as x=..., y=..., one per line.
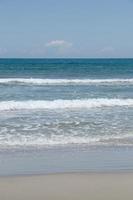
x=64, y=104
x=35, y=81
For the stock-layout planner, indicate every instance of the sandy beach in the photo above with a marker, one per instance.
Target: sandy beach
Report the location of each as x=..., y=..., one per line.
x=72, y=186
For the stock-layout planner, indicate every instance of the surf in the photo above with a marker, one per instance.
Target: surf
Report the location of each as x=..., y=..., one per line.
x=39, y=81
x=64, y=104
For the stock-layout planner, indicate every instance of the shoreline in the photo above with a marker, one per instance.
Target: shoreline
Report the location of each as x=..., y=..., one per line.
x=72, y=186
x=92, y=172
x=66, y=160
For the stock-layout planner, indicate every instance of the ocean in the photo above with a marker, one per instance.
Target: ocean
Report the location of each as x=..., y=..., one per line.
x=61, y=104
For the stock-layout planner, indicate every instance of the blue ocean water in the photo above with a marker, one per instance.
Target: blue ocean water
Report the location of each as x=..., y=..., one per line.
x=65, y=102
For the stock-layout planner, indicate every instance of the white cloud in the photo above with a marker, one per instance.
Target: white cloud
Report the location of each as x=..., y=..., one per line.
x=61, y=44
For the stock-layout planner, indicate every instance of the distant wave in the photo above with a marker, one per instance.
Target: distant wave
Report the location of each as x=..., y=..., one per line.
x=64, y=104
x=36, y=81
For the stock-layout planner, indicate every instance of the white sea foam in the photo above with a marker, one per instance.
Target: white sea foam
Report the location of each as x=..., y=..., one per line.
x=36, y=81
x=41, y=141
x=64, y=104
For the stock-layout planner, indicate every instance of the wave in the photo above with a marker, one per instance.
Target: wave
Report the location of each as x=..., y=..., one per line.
x=64, y=104
x=41, y=141
x=36, y=81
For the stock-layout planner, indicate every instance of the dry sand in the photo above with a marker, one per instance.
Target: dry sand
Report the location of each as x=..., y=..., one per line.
x=72, y=186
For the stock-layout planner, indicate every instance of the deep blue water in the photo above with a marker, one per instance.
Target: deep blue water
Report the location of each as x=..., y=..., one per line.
x=66, y=68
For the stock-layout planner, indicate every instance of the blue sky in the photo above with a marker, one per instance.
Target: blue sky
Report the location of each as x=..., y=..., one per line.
x=66, y=28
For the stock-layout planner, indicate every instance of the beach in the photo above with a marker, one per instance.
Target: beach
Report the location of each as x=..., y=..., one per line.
x=66, y=100
x=72, y=186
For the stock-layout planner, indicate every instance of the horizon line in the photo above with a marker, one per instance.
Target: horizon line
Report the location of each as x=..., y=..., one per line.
x=67, y=58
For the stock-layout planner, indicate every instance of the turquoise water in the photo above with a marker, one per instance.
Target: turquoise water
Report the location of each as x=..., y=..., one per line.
x=65, y=102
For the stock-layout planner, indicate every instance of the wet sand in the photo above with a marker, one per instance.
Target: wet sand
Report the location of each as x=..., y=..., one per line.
x=69, y=186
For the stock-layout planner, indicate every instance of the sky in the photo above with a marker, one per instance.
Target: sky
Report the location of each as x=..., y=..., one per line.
x=66, y=28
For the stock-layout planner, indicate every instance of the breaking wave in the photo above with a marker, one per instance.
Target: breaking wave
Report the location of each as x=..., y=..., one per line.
x=42, y=141
x=36, y=81
x=64, y=104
